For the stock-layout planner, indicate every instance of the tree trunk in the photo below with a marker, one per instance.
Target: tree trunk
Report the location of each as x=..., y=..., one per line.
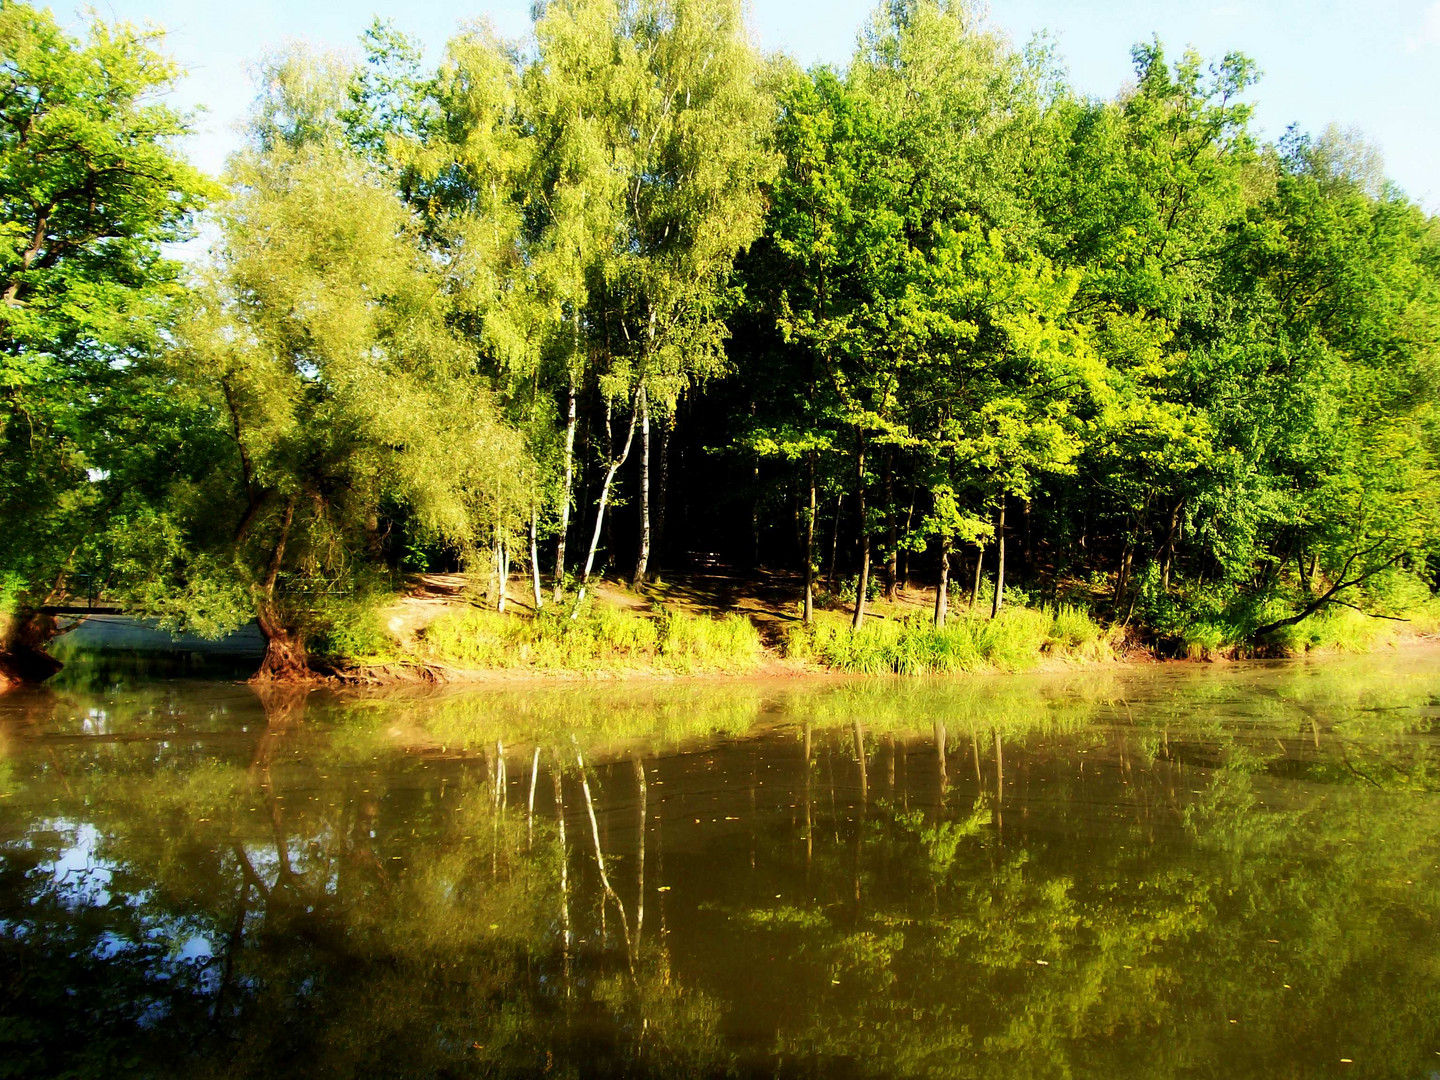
x=892, y=544
x=862, y=583
x=23, y=658
x=657, y=501
x=979, y=569
x=797, y=519
x=809, y=615
x=610, y=472
x=608, y=533
x=942, y=595
x=502, y=574
x=565, y=494
x=538, y=592
x=999, y=560
x=285, y=657
x=1170, y=546
x=1122, y=577
x=835, y=541
x=25, y=634
x=642, y=561
x=1029, y=552
x=905, y=555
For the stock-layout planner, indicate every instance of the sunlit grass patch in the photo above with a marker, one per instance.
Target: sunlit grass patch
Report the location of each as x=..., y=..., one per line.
x=1338, y=629
x=598, y=639
x=701, y=643
x=1017, y=639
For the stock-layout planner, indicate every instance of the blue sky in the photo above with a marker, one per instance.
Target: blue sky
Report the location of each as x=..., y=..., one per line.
x=1372, y=66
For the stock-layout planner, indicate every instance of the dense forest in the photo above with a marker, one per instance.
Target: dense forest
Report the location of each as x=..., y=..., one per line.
x=630, y=297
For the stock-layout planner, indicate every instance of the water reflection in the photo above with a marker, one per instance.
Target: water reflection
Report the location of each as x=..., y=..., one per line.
x=1178, y=871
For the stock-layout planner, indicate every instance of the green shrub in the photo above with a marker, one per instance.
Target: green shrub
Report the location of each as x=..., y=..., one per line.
x=353, y=631
x=1204, y=640
x=1218, y=620
x=845, y=592
x=1394, y=591
x=1335, y=629
x=469, y=637
x=598, y=638
x=1018, y=638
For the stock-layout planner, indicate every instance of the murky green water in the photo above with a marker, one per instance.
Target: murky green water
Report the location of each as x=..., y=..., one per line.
x=1182, y=871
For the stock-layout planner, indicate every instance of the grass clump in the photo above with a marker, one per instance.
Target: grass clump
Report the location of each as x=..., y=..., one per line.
x=692, y=644
x=1017, y=639
x=599, y=638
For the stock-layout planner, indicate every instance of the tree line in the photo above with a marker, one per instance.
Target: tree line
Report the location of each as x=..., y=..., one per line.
x=631, y=288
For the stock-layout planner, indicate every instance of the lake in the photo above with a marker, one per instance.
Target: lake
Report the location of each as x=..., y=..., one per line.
x=1165, y=871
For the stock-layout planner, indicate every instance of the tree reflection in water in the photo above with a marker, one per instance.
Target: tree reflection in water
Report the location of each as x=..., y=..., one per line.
x=1175, y=872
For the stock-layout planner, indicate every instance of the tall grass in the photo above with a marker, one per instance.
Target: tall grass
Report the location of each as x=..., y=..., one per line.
x=1018, y=639
x=1224, y=624
x=601, y=639
x=1343, y=629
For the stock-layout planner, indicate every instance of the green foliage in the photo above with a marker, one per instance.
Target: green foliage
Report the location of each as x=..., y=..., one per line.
x=599, y=638
x=354, y=633
x=1019, y=638
x=1336, y=630
x=1201, y=368
x=321, y=367
x=93, y=186
x=696, y=645
x=845, y=591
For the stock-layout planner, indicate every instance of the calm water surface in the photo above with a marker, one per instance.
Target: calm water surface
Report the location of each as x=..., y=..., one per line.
x=1176, y=872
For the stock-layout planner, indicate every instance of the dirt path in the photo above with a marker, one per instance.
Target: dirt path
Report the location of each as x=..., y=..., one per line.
x=426, y=598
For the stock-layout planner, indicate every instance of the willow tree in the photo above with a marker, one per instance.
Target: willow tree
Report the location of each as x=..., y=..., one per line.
x=457, y=147
x=322, y=350
x=92, y=186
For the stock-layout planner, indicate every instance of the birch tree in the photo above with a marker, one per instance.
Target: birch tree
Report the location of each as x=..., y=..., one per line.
x=684, y=128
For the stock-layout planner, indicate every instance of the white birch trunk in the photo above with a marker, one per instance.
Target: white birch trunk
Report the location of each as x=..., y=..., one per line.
x=600, y=509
